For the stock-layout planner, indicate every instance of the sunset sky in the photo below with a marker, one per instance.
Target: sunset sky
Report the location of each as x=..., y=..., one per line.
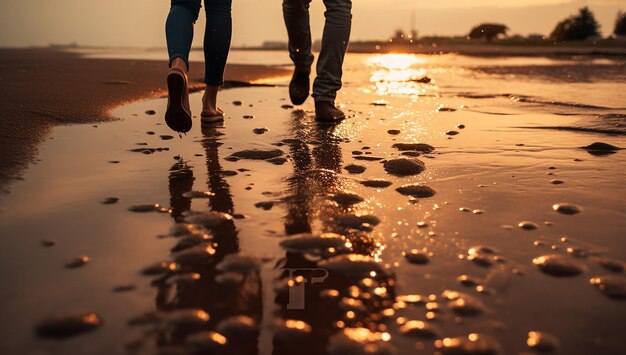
x=139, y=23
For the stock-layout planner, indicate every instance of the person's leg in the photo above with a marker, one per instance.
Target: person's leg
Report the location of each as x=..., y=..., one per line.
x=296, y=16
x=217, y=37
x=179, y=34
x=179, y=31
x=334, y=44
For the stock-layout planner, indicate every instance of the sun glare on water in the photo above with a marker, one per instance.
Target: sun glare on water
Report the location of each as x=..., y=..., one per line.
x=398, y=74
x=396, y=61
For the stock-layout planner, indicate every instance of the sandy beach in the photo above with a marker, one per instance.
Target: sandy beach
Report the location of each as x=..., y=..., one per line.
x=42, y=88
x=462, y=208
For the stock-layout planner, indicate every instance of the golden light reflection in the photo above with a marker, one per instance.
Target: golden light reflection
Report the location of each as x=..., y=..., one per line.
x=396, y=61
x=364, y=335
x=399, y=74
x=297, y=324
x=218, y=338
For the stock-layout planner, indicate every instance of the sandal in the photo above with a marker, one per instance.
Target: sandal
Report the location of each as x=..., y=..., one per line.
x=204, y=118
x=178, y=114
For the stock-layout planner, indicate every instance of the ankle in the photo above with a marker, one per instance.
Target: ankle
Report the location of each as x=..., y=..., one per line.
x=179, y=63
x=210, y=94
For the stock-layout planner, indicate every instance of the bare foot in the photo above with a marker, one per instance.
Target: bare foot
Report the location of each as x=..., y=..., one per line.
x=209, y=102
x=180, y=64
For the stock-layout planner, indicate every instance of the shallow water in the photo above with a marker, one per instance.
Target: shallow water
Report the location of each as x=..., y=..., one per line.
x=495, y=174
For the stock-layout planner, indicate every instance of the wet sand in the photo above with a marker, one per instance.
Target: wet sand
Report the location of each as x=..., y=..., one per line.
x=434, y=212
x=43, y=88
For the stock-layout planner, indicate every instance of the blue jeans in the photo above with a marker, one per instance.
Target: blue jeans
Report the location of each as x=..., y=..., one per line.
x=334, y=43
x=179, y=32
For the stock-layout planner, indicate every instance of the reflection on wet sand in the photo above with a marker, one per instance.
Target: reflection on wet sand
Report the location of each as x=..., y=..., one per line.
x=506, y=241
x=214, y=287
x=332, y=299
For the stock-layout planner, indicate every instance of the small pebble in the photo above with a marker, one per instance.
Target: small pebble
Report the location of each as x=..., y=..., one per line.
x=377, y=183
x=559, y=265
x=109, y=200
x=542, y=341
x=404, y=166
x=48, y=242
x=566, y=208
x=68, y=326
x=527, y=225
x=267, y=205
x=354, y=168
x=416, y=190
x=417, y=257
x=612, y=286
x=77, y=262
x=260, y=130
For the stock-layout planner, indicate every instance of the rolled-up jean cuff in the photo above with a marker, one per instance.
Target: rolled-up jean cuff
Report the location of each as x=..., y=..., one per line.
x=178, y=56
x=323, y=99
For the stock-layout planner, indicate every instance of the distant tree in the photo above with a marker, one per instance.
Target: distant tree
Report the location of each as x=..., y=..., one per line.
x=577, y=28
x=488, y=31
x=620, y=24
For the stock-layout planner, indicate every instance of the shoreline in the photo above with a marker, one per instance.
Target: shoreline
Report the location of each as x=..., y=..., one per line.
x=480, y=50
x=45, y=87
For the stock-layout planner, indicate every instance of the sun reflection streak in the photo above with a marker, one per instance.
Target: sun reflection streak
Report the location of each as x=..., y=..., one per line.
x=398, y=74
x=395, y=61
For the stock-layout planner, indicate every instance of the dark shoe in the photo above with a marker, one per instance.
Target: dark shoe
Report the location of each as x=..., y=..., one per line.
x=178, y=114
x=299, y=87
x=325, y=111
